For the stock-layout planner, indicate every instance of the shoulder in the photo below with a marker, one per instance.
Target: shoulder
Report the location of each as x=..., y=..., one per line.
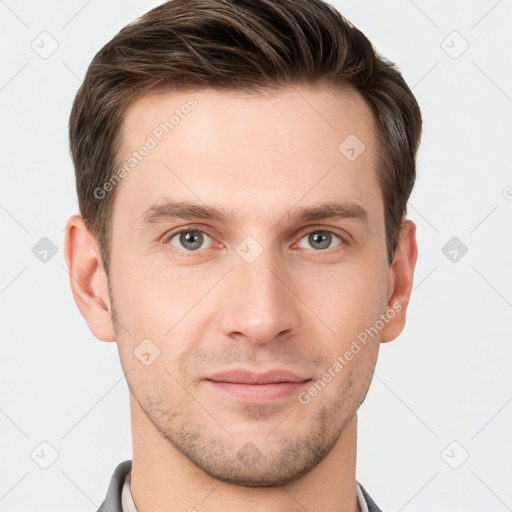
x=112, y=502
x=372, y=506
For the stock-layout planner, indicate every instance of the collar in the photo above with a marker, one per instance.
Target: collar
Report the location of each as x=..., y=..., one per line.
x=119, y=497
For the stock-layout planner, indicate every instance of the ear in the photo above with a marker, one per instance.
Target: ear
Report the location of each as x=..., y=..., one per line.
x=87, y=277
x=400, y=281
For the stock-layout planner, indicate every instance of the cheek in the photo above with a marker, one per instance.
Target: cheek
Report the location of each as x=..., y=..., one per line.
x=348, y=298
x=160, y=310
x=157, y=301
x=153, y=300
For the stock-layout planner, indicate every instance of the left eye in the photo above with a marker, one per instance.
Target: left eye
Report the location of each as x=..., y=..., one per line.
x=191, y=239
x=320, y=239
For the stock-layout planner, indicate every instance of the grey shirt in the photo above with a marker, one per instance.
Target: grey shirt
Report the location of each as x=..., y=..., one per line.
x=118, y=493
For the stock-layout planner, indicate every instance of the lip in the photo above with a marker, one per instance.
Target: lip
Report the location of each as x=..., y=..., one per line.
x=252, y=387
x=247, y=377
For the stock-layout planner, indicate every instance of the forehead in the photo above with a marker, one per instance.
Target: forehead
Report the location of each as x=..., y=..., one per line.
x=288, y=115
x=251, y=149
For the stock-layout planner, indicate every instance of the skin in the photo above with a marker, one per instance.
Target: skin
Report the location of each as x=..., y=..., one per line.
x=298, y=306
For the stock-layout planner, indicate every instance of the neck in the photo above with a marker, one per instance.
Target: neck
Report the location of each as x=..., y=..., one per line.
x=163, y=479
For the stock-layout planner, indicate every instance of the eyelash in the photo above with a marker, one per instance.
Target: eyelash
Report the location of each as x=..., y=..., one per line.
x=188, y=253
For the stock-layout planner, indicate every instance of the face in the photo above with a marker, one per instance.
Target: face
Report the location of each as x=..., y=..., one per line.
x=235, y=289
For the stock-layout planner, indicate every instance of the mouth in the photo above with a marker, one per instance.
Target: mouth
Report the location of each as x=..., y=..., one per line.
x=252, y=387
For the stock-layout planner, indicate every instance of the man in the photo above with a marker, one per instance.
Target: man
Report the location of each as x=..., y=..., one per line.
x=243, y=170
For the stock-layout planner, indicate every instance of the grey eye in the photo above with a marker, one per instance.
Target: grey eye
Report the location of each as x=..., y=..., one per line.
x=320, y=239
x=190, y=239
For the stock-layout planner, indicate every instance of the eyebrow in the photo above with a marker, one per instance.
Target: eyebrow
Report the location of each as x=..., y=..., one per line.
x=168, y=209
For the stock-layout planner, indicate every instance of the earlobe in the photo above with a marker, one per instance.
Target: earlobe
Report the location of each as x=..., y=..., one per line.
x=401, y=281
x=87, y=278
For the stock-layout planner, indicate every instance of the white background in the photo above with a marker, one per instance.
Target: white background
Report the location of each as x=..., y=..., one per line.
x=445, y=379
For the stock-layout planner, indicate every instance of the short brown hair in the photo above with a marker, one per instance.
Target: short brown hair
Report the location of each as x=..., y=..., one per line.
x=238, y=45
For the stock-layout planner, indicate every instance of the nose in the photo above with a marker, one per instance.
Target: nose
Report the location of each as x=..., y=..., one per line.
x=258, y=304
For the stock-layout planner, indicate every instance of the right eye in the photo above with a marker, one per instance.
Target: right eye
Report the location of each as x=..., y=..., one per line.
x=188, y=239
